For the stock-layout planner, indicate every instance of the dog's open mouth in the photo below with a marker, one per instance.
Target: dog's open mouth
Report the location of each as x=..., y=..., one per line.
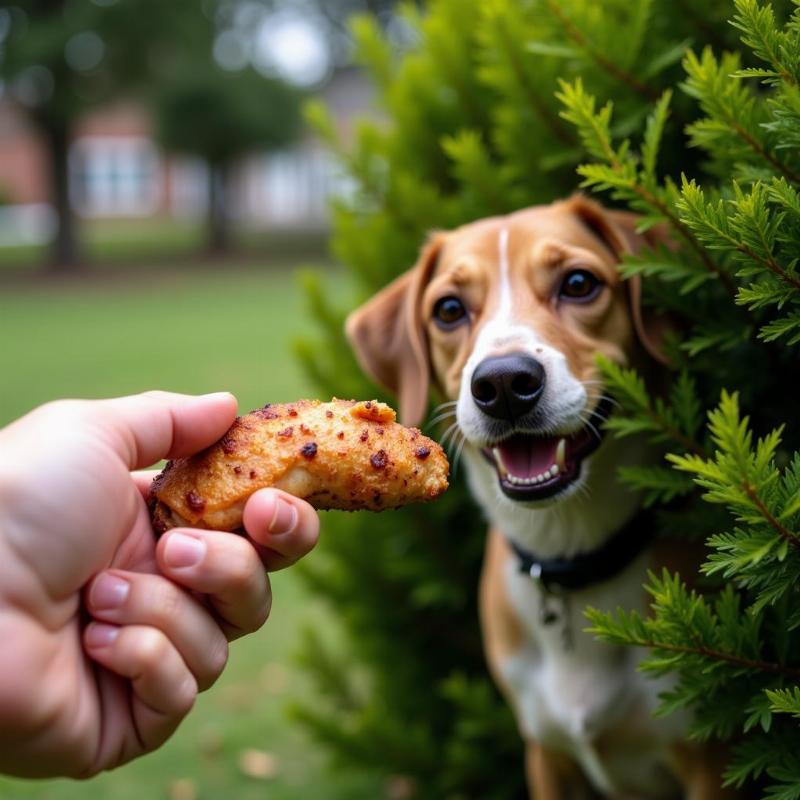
x=534, y=466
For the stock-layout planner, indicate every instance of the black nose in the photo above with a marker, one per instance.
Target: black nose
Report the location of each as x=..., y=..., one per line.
x=508, y=387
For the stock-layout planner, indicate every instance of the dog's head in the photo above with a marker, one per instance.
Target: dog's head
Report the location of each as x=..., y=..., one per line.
x=505, y=316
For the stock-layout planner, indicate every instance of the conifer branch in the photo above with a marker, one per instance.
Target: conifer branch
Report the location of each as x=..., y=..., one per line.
x=655, y=202
x=718, y=655
x=769, y=262
x=753, y=21
x=782, y=531
x=762, y=151
x=553, y=121
x=726, y=102
x=629, y=388
x=686, y=233
x=689, y=445
x=581, y=40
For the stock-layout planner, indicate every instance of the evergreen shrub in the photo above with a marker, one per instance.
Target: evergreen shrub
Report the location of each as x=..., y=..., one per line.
x=665, y=108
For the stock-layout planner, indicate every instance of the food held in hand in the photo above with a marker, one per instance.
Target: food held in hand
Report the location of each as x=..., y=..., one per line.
x=340, y=455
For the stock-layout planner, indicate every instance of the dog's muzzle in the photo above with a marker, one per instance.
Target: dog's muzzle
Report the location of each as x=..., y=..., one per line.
x=531, y=465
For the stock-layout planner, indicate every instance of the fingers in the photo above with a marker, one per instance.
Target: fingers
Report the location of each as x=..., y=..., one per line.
x=283, y=527
x=163, y=686
x=130, y=598
x=147, y=427
x=224, y=566
x=230, y=569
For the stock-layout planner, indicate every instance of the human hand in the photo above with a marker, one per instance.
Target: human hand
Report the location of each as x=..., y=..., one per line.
x=107, y=634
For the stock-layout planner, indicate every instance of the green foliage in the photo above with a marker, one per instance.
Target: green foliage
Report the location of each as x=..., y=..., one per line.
x=693, y=125
x=735, y=653
x=221, y=116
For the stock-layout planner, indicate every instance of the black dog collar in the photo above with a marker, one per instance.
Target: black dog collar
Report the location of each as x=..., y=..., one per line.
x=586, y=569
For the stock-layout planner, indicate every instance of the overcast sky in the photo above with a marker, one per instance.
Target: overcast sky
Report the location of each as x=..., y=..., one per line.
x=289, y=41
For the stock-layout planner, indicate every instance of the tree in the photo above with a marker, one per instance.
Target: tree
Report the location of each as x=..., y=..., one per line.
x=61, y=57
x=493, y=109
x=221, y=116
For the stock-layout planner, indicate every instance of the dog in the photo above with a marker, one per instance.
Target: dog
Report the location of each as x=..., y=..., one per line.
x=504, y=318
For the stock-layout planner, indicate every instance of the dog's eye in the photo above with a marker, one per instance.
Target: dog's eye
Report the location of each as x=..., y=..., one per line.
x=449, y=312
x=579, y=285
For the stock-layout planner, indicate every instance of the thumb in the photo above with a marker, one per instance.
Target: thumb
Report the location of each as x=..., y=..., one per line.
x=145, y=428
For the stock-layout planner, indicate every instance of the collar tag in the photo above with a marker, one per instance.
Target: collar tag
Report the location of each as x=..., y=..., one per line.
x=536, y=571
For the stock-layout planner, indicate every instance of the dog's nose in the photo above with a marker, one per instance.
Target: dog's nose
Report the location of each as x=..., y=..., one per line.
x=508, y=387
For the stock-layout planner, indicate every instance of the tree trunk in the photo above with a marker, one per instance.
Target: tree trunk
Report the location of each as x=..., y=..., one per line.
x=219, y=229
x=64, y=255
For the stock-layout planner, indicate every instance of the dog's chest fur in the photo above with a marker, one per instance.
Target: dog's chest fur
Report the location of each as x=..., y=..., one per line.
x=583, y=697
x=572, y=693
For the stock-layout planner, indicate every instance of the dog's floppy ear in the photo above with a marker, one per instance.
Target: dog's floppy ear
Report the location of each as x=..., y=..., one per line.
x=388, y=336
x=617, y=230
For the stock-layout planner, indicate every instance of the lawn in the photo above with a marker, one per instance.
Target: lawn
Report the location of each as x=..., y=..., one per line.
x=190, y=331
x=111, y=244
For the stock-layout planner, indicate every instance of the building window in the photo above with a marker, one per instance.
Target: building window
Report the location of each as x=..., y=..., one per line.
x=114, y=176
x=292, y=187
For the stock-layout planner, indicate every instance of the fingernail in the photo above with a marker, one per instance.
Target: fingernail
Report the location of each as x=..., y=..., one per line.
x=284, y=519
x=108, y=591
x=215, y=396
x=100, y=635
x=183, y=551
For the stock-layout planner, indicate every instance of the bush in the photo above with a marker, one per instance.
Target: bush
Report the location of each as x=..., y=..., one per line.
x=493, y=109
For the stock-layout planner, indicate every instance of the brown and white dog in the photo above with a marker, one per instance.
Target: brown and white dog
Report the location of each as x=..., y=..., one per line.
x=505, y=316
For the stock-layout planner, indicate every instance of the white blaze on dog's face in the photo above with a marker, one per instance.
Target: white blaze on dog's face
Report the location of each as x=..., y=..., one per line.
x=510, y=314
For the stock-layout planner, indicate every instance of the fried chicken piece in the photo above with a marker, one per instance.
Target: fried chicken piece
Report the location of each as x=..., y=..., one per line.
x=344, y=454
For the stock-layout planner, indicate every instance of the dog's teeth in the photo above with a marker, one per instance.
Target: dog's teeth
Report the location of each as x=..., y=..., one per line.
x=542, y=477
x=499, y=461
x=561, y=453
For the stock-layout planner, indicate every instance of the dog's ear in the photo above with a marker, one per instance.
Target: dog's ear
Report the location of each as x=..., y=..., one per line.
x=617, y=230
x=388, y=336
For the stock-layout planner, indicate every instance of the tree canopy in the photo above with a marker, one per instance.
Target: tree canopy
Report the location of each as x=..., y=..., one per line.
x=221, y=115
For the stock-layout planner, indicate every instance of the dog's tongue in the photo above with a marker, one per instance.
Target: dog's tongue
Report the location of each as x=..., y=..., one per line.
x=528, y=456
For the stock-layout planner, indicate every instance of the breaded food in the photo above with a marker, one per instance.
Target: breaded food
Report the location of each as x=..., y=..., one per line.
x=340, y=455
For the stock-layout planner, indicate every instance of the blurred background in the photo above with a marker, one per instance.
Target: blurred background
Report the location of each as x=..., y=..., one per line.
x=158, y=192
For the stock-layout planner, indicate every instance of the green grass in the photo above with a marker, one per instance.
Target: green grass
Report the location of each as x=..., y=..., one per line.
x=188, y=331
x=111, y=244
x=194, y=332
